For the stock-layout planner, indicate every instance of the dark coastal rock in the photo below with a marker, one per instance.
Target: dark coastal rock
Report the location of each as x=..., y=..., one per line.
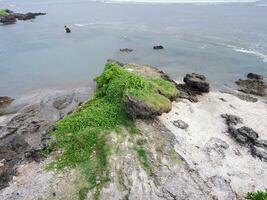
x=254, y=76
x=137, y=108
x=253, y=85
x=11, y=17
x=231, y=119
x=250, y=138
x=158, y=47
x=8, y=19
x=126, y=50
x=180, y=124
x=67, y=29
x=197, y=82
x=5, y=101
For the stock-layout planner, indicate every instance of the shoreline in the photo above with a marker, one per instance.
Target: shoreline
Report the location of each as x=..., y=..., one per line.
x=186, y=152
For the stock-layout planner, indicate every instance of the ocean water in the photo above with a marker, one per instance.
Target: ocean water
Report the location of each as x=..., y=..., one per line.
x=223, y=41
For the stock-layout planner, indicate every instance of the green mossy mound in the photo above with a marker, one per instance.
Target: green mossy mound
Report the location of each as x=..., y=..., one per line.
x=3, y=12
x=82, y=135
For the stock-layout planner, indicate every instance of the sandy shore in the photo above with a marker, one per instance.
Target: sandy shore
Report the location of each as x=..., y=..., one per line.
x=208, y=148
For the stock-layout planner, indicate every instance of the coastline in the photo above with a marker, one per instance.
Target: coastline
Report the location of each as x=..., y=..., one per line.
x=197, y=155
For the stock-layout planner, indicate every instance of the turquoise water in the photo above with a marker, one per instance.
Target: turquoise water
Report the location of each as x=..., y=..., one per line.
x=224, y=42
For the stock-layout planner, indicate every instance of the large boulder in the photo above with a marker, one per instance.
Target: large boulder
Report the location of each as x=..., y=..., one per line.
x=254, y=76
x=197, y=82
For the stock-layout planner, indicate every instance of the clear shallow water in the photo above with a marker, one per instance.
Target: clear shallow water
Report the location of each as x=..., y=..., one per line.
x=224, y=42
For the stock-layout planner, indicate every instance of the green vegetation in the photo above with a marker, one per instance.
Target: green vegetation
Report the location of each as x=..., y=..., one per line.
x=143, y=158
x=258, y=195
x=83, y=134
x=3, y=12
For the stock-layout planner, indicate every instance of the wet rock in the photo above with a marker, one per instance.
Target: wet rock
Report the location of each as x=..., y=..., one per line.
x=126, y=50
x=8, y=19
x=11, y=17
x=253, y=85
x=197, y=82
x=259, y=152
x=261, y=143
x=180, y=124
x=27, y=16
x=249, y=133
x=5, y=101
x=231, y=119
x=67, y=29
x=158, y=47
x=254, y=76
x=137, y=108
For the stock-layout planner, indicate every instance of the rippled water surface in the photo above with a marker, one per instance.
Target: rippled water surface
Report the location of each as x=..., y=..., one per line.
x=223, y=41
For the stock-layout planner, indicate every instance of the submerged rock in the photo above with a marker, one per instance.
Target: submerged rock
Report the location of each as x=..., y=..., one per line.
x=197, y=82
x=253, y=85
x=126, y=50
x=254, y=76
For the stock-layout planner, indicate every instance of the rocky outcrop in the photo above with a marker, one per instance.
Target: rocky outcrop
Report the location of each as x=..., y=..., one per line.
x=138, y=108
x=158, y=47
x=126, y=50
x=195, y=85
x=246, y=136
x=253, y=85
x=197, y=82
x=24, y=133
x=11, y=17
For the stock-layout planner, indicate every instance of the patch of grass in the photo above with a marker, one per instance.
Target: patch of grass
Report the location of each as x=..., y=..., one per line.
x=141, y=141
x=82, y=135
x=143, y=158
x=165, y=88
x=3, y=12
x=258, y=195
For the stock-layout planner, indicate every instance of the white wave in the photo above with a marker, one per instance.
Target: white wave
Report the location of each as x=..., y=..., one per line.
x=247, y=51
x=81, y=25
x=178, y=1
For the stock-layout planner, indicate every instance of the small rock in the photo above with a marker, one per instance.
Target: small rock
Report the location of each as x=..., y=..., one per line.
x=180, y=124
x=158, y=47
x=231, y=119
x=254, y=76
x=249, y=133
x=126, y=50
x=259, y=152
x=67, y=29
x=8, y=19
x=197, y=82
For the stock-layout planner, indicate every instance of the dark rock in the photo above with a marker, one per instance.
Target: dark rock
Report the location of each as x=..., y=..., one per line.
x=5, y=101
x=158, y=47
x=7, y=19
x=258, y=152
x=254, y=76
x=231, y=119
x=136, y=108
x=197, y=82
x=255, y=85
x=249, y=133
x=261, y=143
x=27, y=16
x=126, y=50
x=180, y=124
x=67, y=29
x=238, y=137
